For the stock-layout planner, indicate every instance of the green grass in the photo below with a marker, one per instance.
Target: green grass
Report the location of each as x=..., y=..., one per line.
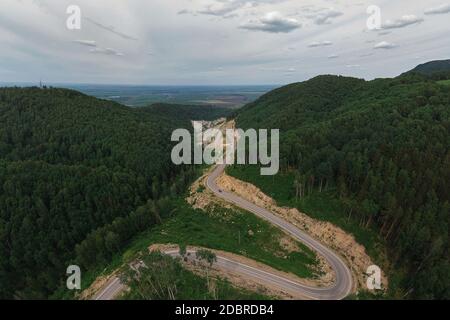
x=326, y=207
x=279, y=186
x=323, y=206
x=236, y=232
x=233, y=231
x=444, y=82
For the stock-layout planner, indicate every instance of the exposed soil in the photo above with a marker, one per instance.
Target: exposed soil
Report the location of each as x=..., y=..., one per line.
x=329, y=234
x=96, y=286
x=201, y=197
x=206, y=201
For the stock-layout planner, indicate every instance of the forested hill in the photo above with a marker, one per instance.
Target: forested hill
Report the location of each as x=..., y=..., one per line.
x=433, y=67
x=61, y=126
x=434, y=70
x=72, y=166
x=384, y=147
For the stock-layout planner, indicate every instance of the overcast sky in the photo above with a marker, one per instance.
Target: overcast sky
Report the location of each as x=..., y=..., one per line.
x=183, y=42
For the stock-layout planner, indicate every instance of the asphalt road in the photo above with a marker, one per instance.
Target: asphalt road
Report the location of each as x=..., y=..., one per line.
x=344, y=281
x=111, y=290
x=339, y=290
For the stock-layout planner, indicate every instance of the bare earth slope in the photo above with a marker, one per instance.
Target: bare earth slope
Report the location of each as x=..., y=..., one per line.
x=329, y=234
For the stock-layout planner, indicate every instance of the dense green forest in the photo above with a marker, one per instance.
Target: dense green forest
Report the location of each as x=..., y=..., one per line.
x=78, y=178
x=432, y=68
x=384, y=147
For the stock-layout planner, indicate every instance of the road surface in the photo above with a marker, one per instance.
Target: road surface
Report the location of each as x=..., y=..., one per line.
x=339, y=290
x=344, y=281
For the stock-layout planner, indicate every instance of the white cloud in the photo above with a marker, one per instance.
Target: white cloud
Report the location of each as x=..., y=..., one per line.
x=107, y=51
x=273, y=22
x=324, y=16
x=384, y=45
x=333, y=56
x=279, y=69
x=110, y=29
x=402, y=22
x=316, y=44
x=444, y=8
x=225, y=8
x=96, y=49
x=187, y=49
x=89, y=43
x=221, y=8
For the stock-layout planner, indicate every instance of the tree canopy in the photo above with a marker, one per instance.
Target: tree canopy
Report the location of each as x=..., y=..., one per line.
x=78, y=176
x=384, y=145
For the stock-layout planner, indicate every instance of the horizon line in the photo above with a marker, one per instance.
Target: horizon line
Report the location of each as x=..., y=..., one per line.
x=36, y=83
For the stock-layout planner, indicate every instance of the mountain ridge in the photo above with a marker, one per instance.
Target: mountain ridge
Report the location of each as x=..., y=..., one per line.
x=428, y=68
x=382, y=146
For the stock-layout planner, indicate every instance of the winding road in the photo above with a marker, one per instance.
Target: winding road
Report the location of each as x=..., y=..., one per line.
x=339, y=290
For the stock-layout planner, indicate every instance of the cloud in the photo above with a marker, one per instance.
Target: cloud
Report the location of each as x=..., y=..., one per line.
x=106, y=51
x=89, y=43
x=224, y=8
x=444, y=8
x=187, y=50
x=384, y=45
x=184, y=11
x=316, y=44
x=273, y=22
x=110, y=29
x=324, y=16
x=333, y=56
x=96, y=49
x=279, y=69
x=404, y=21
x=221, y=8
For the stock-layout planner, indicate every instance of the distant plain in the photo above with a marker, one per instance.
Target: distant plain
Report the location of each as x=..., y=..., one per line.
x=141, y=95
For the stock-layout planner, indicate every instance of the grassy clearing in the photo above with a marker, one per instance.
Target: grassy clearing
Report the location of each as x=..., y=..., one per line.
x=236, y=232
x=323, y=206
x=222, y=229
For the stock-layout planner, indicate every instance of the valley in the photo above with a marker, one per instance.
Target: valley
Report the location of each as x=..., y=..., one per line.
x=363, y=178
